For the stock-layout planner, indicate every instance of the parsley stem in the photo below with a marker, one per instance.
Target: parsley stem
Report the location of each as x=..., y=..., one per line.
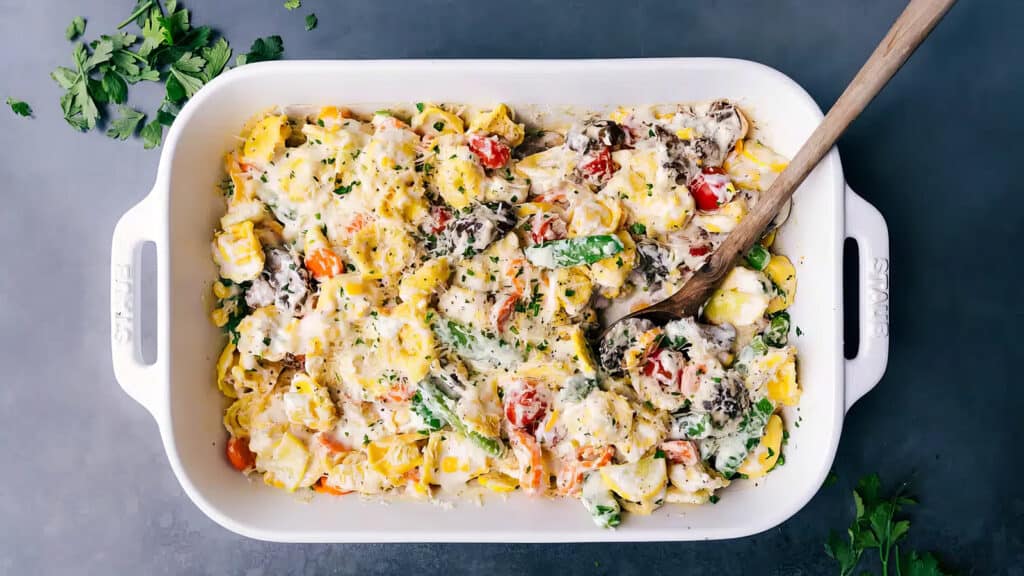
x=134, y=55
x=139, y=11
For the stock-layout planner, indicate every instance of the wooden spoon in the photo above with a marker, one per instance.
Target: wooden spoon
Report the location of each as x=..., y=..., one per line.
x=910, y=29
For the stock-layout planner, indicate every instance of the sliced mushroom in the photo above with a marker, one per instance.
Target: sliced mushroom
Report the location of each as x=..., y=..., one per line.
x=622, y=337
x=472, y=233
x=284, y=282
x=596, y=134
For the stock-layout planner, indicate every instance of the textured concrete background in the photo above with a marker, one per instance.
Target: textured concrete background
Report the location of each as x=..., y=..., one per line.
x=84, y=483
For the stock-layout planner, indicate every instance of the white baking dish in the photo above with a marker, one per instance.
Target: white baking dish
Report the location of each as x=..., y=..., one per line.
x=181, y=212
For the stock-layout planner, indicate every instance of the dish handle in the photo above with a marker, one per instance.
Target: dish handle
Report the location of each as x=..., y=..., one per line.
x=138, y=225
x=865, y=225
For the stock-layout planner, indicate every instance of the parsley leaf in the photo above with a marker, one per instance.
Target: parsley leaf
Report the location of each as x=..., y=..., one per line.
x=19, y=107
x=216, y=58
x=262, y=49
x=115, y=87
x=185, y=79
x=124, y=127
x=311, y=22
x=292, y=4
x=76, y=28
x=152, y=35
x=924, y=565
x=151, y=134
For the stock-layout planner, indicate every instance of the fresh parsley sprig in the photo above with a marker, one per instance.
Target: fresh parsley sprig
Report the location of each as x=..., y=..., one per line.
x=877, y=526
x=172, y=51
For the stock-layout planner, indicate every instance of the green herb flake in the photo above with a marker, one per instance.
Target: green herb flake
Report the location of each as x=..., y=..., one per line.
x=262, y=50
x=311, y=22
x=75, y=29
x=19, y=107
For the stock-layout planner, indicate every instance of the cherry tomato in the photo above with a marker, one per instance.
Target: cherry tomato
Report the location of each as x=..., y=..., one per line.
x=239, y=454
x=493, y=153
x=441, y=216
x=598, y=166
x=525, y=405
x=710, y=188
x=545, y=227
x=680, y=452
x=324, y=263
x=666, y=366
x=699, y=250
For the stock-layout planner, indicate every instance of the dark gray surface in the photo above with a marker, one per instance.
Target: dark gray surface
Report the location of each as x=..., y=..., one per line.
x=84, y=483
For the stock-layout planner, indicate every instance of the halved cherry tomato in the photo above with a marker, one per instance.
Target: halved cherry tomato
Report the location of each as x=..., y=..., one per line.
x=322, y=487
x=239, y=454
x=324, y=263
x=502, y=311
x=710, y=188
x=680, y=452
x=493, y=153
x=441, y=216
x=544, y=227
x=531, y=462
x=598, y=166
x=666, y=366
x=525, y=405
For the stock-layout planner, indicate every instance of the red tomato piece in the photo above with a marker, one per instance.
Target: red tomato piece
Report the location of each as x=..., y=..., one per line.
x=598, y=166
x=666, y=366
x=699, y=250
x=710, y=188
x=546, y=227
x=525, y=405
x=441, y=216
x=493, y=153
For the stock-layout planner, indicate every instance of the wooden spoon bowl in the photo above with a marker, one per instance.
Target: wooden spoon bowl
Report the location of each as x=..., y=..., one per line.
x=909, y=30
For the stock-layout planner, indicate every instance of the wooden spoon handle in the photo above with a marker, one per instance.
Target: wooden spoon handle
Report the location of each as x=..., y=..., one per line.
x=913, y=25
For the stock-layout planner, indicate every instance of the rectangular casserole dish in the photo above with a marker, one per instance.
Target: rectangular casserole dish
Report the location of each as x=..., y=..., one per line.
x=181, y=212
